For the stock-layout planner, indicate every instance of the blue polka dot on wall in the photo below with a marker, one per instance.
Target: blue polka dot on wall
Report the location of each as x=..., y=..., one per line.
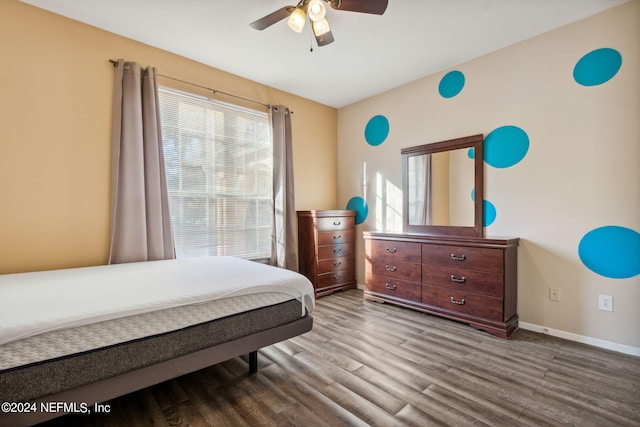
x=451, y=84
x=505, y=146
x=377, y=130
x=611, y=251
x=597, y=67
x=489, y=212
x=360, y=206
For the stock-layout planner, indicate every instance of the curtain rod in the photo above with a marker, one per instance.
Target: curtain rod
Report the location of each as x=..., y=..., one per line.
x=115, y=63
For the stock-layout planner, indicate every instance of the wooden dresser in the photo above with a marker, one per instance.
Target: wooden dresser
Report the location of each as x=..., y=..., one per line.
x=468, y=279
x=326, y=249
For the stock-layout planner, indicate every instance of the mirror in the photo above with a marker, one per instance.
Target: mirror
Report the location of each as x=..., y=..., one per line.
x=443, y=188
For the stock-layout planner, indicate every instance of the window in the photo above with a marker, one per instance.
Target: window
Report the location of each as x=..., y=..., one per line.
x=219, y=163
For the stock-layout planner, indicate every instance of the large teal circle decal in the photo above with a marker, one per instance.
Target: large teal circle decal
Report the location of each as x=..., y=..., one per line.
x=597, y=67
x=451, y=84
x=377, y=130
x=505, y=146
x=611, y=251
x=360, y=206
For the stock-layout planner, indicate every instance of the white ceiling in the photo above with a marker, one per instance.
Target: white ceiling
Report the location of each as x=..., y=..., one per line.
x=371, y=53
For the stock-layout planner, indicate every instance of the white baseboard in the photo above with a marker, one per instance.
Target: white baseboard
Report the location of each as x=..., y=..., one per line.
x=621, y=348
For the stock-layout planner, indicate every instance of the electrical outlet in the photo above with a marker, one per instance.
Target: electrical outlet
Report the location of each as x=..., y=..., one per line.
x=554, y=294
x=605, y=302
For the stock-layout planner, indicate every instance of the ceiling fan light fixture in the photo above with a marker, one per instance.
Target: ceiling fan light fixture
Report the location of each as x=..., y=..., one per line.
x=316, y=10
x=321, y=27
x=297, y=19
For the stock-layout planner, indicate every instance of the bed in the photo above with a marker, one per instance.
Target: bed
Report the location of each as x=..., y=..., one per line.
x=72, y=338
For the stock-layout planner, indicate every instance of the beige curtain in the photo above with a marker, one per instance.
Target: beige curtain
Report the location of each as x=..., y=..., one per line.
x=425, y=208
x=419, y=188
x=283, y=252
x=140, y=220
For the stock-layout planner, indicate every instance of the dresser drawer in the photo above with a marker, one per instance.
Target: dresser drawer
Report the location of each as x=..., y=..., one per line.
x=396, y=270
x=333, y=264
x=335, y=251
x=393, y=287
x=336, y=277
x=336, y=236
x=335, y=223
x=479, y=282
x=463, y=302
x=388, y=249
x=482, y=259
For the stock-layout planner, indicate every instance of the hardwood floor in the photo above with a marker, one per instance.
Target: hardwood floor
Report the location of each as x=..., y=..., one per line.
x=366, y=363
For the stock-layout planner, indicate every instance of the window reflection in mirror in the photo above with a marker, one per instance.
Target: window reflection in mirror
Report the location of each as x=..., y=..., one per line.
x=437, y=184
x=439, y=189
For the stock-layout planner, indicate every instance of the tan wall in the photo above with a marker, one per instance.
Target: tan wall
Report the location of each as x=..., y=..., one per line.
x=581, y=171
x=55, y=115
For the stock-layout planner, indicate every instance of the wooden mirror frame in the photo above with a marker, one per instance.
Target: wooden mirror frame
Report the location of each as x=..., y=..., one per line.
x=477, y=230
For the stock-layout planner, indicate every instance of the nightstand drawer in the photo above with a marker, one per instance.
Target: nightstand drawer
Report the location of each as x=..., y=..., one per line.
x=335, y=251
x=390, y=250
x=463, y=302
x=482, y=259
x=336, y=236
x=396, y=288
x=478, y=282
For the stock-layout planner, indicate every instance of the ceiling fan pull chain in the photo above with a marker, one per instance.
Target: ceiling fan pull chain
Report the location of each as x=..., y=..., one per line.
x=311, y=42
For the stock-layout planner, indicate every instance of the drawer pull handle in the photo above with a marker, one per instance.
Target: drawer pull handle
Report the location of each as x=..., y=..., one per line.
x=337, y=276
x=458, y=258
x=336, y=250
x=337, y=222
x=453, y=300
x=337, y=236
x=390, y=268
x=460, y=280
x=391, y=250
x=337, y=263
x=390, y=287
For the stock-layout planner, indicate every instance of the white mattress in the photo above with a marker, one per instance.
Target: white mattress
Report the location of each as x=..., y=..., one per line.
x=32, y=304
x=64, y=342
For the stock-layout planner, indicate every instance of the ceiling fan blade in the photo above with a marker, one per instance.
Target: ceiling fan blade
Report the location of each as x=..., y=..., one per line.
x=376, y=7
x=272, y=18
x=324, y=39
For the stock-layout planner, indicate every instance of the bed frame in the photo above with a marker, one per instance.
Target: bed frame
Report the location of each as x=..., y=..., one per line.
x=104, y=389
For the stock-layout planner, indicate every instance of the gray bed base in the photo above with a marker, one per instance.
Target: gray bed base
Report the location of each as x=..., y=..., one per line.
x=108, y=388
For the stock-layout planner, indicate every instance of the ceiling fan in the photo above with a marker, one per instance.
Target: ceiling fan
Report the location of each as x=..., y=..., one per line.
x=316, y=11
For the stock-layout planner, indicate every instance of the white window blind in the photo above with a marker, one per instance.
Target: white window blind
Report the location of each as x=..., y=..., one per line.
x=219, y=163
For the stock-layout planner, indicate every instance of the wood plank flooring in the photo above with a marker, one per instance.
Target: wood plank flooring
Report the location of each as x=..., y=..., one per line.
x=366, y=363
